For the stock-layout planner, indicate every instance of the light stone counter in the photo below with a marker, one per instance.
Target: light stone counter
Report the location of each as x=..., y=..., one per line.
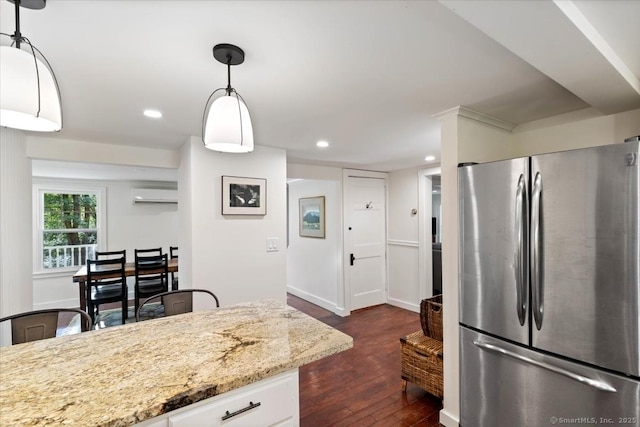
x=130, y=373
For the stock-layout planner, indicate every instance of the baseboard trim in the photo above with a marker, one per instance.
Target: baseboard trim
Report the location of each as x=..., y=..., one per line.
x=342, y=312
x=403, y=304
x=321, y=302
x=66, y=303
x=448, y=420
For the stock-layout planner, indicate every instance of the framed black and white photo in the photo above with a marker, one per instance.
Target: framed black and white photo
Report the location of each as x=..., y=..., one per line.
x=312, y=217
x=244, y=196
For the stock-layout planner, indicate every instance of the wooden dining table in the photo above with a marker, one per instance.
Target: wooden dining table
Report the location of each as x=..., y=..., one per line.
x=129, y=270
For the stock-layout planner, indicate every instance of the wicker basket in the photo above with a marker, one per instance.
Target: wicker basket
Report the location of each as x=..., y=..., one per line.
x=431, y=317
x=422, y=362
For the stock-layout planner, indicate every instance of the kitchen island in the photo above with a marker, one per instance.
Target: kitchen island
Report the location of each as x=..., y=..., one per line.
x=136, y=372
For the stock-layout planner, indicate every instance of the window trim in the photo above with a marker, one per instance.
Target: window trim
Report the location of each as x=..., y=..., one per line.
x=39, y=189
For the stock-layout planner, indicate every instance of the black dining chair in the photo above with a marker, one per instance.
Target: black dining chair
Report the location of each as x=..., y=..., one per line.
x=111, y=255
x=152, y=274
x=106, y=283
x=176, y=302
x=173, y=254
x=41, y=324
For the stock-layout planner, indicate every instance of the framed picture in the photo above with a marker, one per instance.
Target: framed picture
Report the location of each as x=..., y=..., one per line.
x=312, y=217
x=244, y=196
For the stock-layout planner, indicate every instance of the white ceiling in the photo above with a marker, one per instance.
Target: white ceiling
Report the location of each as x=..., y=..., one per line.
x=367, y=76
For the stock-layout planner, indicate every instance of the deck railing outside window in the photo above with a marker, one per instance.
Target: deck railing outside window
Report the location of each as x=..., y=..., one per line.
x=67, y=256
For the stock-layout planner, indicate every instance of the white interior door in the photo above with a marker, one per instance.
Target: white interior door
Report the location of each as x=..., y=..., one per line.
x=366, y=228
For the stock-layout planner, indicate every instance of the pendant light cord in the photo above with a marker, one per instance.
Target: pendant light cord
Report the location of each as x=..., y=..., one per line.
x=229, y=88
x=17, y=36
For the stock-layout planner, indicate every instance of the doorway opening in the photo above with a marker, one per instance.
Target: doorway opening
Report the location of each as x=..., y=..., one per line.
x=314, y=262
x=430, y=232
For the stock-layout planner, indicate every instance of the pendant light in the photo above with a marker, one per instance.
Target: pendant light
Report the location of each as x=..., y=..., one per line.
x=226, y=125
x=29, y=93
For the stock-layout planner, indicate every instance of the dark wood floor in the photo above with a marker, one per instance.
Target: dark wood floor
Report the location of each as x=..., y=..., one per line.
x=362, y=386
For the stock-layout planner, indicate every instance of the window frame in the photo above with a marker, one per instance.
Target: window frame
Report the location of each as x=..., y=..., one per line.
x=39, y=190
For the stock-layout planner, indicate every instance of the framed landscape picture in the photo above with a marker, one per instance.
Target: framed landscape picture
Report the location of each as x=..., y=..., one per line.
x=312, y=217
x=244, y=196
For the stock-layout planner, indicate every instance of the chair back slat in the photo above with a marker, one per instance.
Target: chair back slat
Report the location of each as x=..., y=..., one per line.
x=147, y=252
x=148, y=264
x=105, y=268
x=111, y=254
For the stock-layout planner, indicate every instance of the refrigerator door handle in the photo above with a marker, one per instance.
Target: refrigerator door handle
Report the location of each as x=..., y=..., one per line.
x=537, y=273
x=520, y=249
x=600, y=385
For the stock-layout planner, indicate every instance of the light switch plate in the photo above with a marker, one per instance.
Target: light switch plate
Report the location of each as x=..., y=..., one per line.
x=272, y=244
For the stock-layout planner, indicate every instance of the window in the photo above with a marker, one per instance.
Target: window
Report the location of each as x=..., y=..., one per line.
x=68, y=226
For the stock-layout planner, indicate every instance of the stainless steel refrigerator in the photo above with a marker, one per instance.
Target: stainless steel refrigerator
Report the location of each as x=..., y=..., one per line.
x=549, y=289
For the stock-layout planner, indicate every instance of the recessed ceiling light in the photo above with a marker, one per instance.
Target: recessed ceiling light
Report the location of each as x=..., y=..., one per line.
x=154, y=114
x=322, y=144
x=430, y=158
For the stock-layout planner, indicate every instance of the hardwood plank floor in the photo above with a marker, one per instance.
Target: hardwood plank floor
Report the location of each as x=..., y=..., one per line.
x=362, y=386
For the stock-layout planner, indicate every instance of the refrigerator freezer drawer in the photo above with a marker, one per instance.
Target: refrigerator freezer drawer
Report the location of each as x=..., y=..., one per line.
x=503, y=384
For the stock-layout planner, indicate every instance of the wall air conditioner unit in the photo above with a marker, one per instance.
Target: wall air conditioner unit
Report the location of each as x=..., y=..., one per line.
x=154, y=195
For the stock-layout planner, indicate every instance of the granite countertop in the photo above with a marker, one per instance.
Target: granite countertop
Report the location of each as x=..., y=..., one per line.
x=130, y=373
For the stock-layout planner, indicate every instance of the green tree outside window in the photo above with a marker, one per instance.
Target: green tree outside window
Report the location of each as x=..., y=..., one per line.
x=70, y=225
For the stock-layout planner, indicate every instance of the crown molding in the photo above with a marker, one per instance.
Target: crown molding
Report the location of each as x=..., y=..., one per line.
x=477, y=116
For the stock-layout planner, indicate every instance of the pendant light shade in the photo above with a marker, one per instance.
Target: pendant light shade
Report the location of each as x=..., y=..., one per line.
x=29, y=97
x=29, y=94
x=226, y=124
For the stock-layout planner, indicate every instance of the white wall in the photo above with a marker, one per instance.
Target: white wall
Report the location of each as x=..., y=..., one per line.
x=314, y=266
x=301, y=171
x=42, y=147
x=185, y=223
x=229, y=254
x=129, y=227
x=575, y=130
x=141, y=225
x=403, y=240
x=15, y=226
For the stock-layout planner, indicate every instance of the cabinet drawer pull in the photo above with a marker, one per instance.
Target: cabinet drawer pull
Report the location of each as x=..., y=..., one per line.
x=228, y=414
